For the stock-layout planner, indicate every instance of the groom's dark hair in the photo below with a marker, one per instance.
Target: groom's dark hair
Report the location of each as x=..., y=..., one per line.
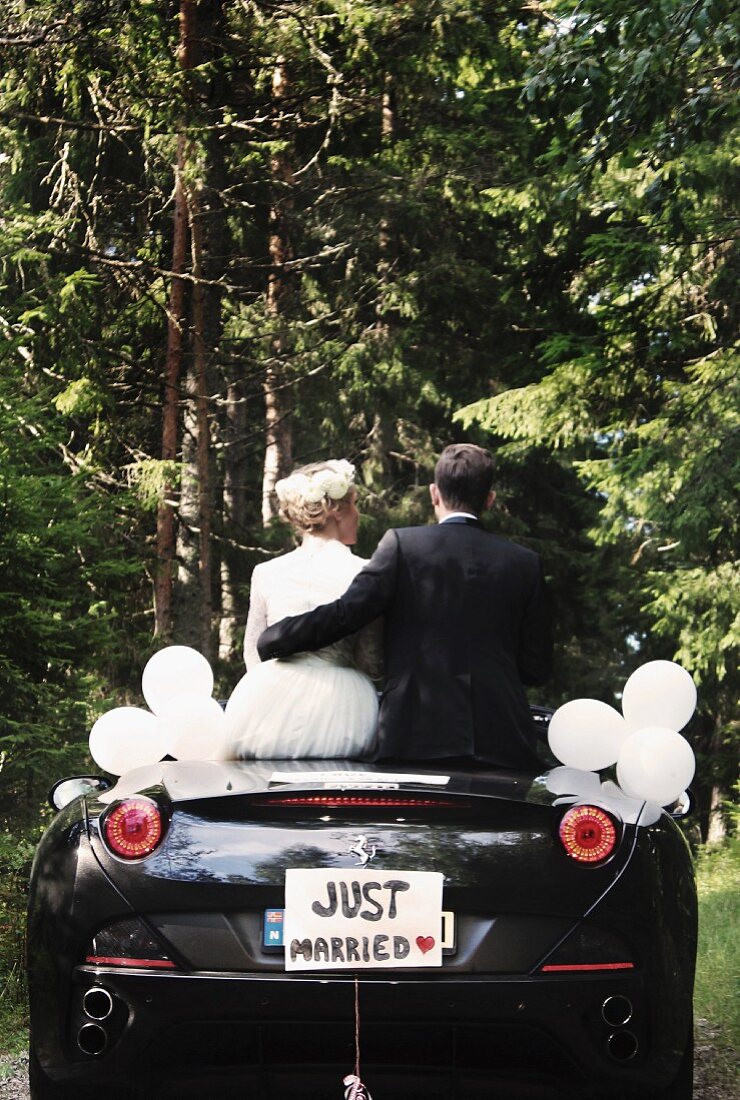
x=464, y=477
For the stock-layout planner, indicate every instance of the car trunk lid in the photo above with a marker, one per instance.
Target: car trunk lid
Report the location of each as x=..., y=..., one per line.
x=235, y=829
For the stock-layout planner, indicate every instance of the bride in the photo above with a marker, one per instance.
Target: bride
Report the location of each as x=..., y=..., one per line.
x=314, y=704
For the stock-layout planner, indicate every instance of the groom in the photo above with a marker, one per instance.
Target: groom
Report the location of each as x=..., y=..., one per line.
x=466, y=626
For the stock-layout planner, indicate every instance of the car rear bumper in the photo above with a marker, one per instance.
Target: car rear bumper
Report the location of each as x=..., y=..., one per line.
x=431, y=1033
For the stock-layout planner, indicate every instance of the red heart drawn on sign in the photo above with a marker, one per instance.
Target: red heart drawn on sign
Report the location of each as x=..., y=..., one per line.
x=425, y=943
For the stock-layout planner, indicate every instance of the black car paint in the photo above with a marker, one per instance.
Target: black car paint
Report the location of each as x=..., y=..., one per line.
x=643, y=892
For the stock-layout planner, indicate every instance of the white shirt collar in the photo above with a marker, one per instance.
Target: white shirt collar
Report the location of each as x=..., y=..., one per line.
x=456, y=515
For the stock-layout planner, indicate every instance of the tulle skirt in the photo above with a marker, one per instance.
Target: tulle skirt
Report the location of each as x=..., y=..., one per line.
x=302, y=707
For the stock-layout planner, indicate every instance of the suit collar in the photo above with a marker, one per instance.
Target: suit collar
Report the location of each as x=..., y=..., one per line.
x=468, y=521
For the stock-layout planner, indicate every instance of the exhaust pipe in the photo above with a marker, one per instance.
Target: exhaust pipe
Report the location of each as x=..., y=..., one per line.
x=92, y=1039
x=97, y=1003
x=622, y=1045
x=617, y=1010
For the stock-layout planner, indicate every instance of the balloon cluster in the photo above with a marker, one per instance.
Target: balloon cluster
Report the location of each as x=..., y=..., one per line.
x=654, y=762
x=183, y=721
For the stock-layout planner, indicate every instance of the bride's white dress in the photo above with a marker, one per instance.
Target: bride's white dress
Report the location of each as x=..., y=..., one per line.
x=320, y=704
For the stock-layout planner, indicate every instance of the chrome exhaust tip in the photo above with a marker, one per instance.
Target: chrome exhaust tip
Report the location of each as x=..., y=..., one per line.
x=97, y=1003
x=617, y=1010
x=622, y=1046
x=92, y=1039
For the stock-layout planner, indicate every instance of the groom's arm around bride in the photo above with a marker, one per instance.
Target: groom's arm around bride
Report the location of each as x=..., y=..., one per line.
x=467, y=625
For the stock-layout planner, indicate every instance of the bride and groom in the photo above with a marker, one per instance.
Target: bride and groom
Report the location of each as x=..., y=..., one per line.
x=454, y=617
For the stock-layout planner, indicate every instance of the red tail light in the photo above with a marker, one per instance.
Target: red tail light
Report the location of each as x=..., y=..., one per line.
x=588, y=834
x=133, y=828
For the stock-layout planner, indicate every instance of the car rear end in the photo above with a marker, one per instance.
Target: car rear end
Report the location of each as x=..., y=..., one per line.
x=551, y=974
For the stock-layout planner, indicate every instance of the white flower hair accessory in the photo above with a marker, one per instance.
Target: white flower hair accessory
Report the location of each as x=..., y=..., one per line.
x=333, y=482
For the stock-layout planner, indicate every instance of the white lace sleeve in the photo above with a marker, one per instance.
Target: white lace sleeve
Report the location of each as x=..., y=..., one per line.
x=256, y=621
x=367, y=646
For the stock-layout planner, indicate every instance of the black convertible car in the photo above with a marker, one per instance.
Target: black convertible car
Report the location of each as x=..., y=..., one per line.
x=203, y=930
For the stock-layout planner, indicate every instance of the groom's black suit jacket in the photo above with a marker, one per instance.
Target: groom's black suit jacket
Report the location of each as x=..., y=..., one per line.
x=466, y=626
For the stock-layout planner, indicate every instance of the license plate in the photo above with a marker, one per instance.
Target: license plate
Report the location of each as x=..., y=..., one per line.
x=273, y=924
x=358, y=919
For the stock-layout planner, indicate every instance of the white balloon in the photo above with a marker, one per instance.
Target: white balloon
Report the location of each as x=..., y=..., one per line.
x=195, y=727
x=656, y=764
x=573, y=781
x=126, y=738
x=633, y=811
x=659, y=693
x=631, y=773
x=173, y=671
x=586, y=734
x=134, y=781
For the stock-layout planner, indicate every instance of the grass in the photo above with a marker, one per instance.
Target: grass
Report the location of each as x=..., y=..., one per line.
x=16, y=853
x=13, y=1023
x=717, y=991
x=716, y=1000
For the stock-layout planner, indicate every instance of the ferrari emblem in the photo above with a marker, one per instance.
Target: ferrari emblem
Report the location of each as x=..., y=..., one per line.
x=362, y=851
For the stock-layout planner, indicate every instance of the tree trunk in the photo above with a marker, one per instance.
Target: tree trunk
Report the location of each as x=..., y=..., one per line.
x=187, y=603
x=176, y=321
x=716, y=828
x=176, y=326
x=379, y=439
x=233, y=605
x=195, y=550
x=278, y=403
x=202, y=428
x=188, y=607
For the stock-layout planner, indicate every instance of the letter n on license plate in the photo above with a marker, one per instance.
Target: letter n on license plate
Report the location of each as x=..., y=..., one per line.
x=359, y=919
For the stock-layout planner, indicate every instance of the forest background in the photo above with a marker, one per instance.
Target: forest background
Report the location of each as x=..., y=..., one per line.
x=239, y=235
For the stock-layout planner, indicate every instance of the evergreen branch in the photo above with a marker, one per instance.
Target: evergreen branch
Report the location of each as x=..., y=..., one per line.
x=69, y=123
x=38, y=39
x=299, y=264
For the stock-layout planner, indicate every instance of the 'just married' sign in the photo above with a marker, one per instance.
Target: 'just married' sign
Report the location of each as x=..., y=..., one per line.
x=357, y=919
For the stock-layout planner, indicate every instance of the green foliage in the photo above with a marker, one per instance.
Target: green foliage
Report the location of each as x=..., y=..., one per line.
x=717, y=992
x=16, y=853
x=151, y=477
x=517, y=212
x=63, y=578
x=637, y=388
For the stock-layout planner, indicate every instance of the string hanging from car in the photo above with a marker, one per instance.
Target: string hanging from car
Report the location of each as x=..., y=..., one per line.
x=354, y=1088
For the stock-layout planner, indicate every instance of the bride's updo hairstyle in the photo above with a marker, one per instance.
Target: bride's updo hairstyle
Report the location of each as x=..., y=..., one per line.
x=307, y=497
